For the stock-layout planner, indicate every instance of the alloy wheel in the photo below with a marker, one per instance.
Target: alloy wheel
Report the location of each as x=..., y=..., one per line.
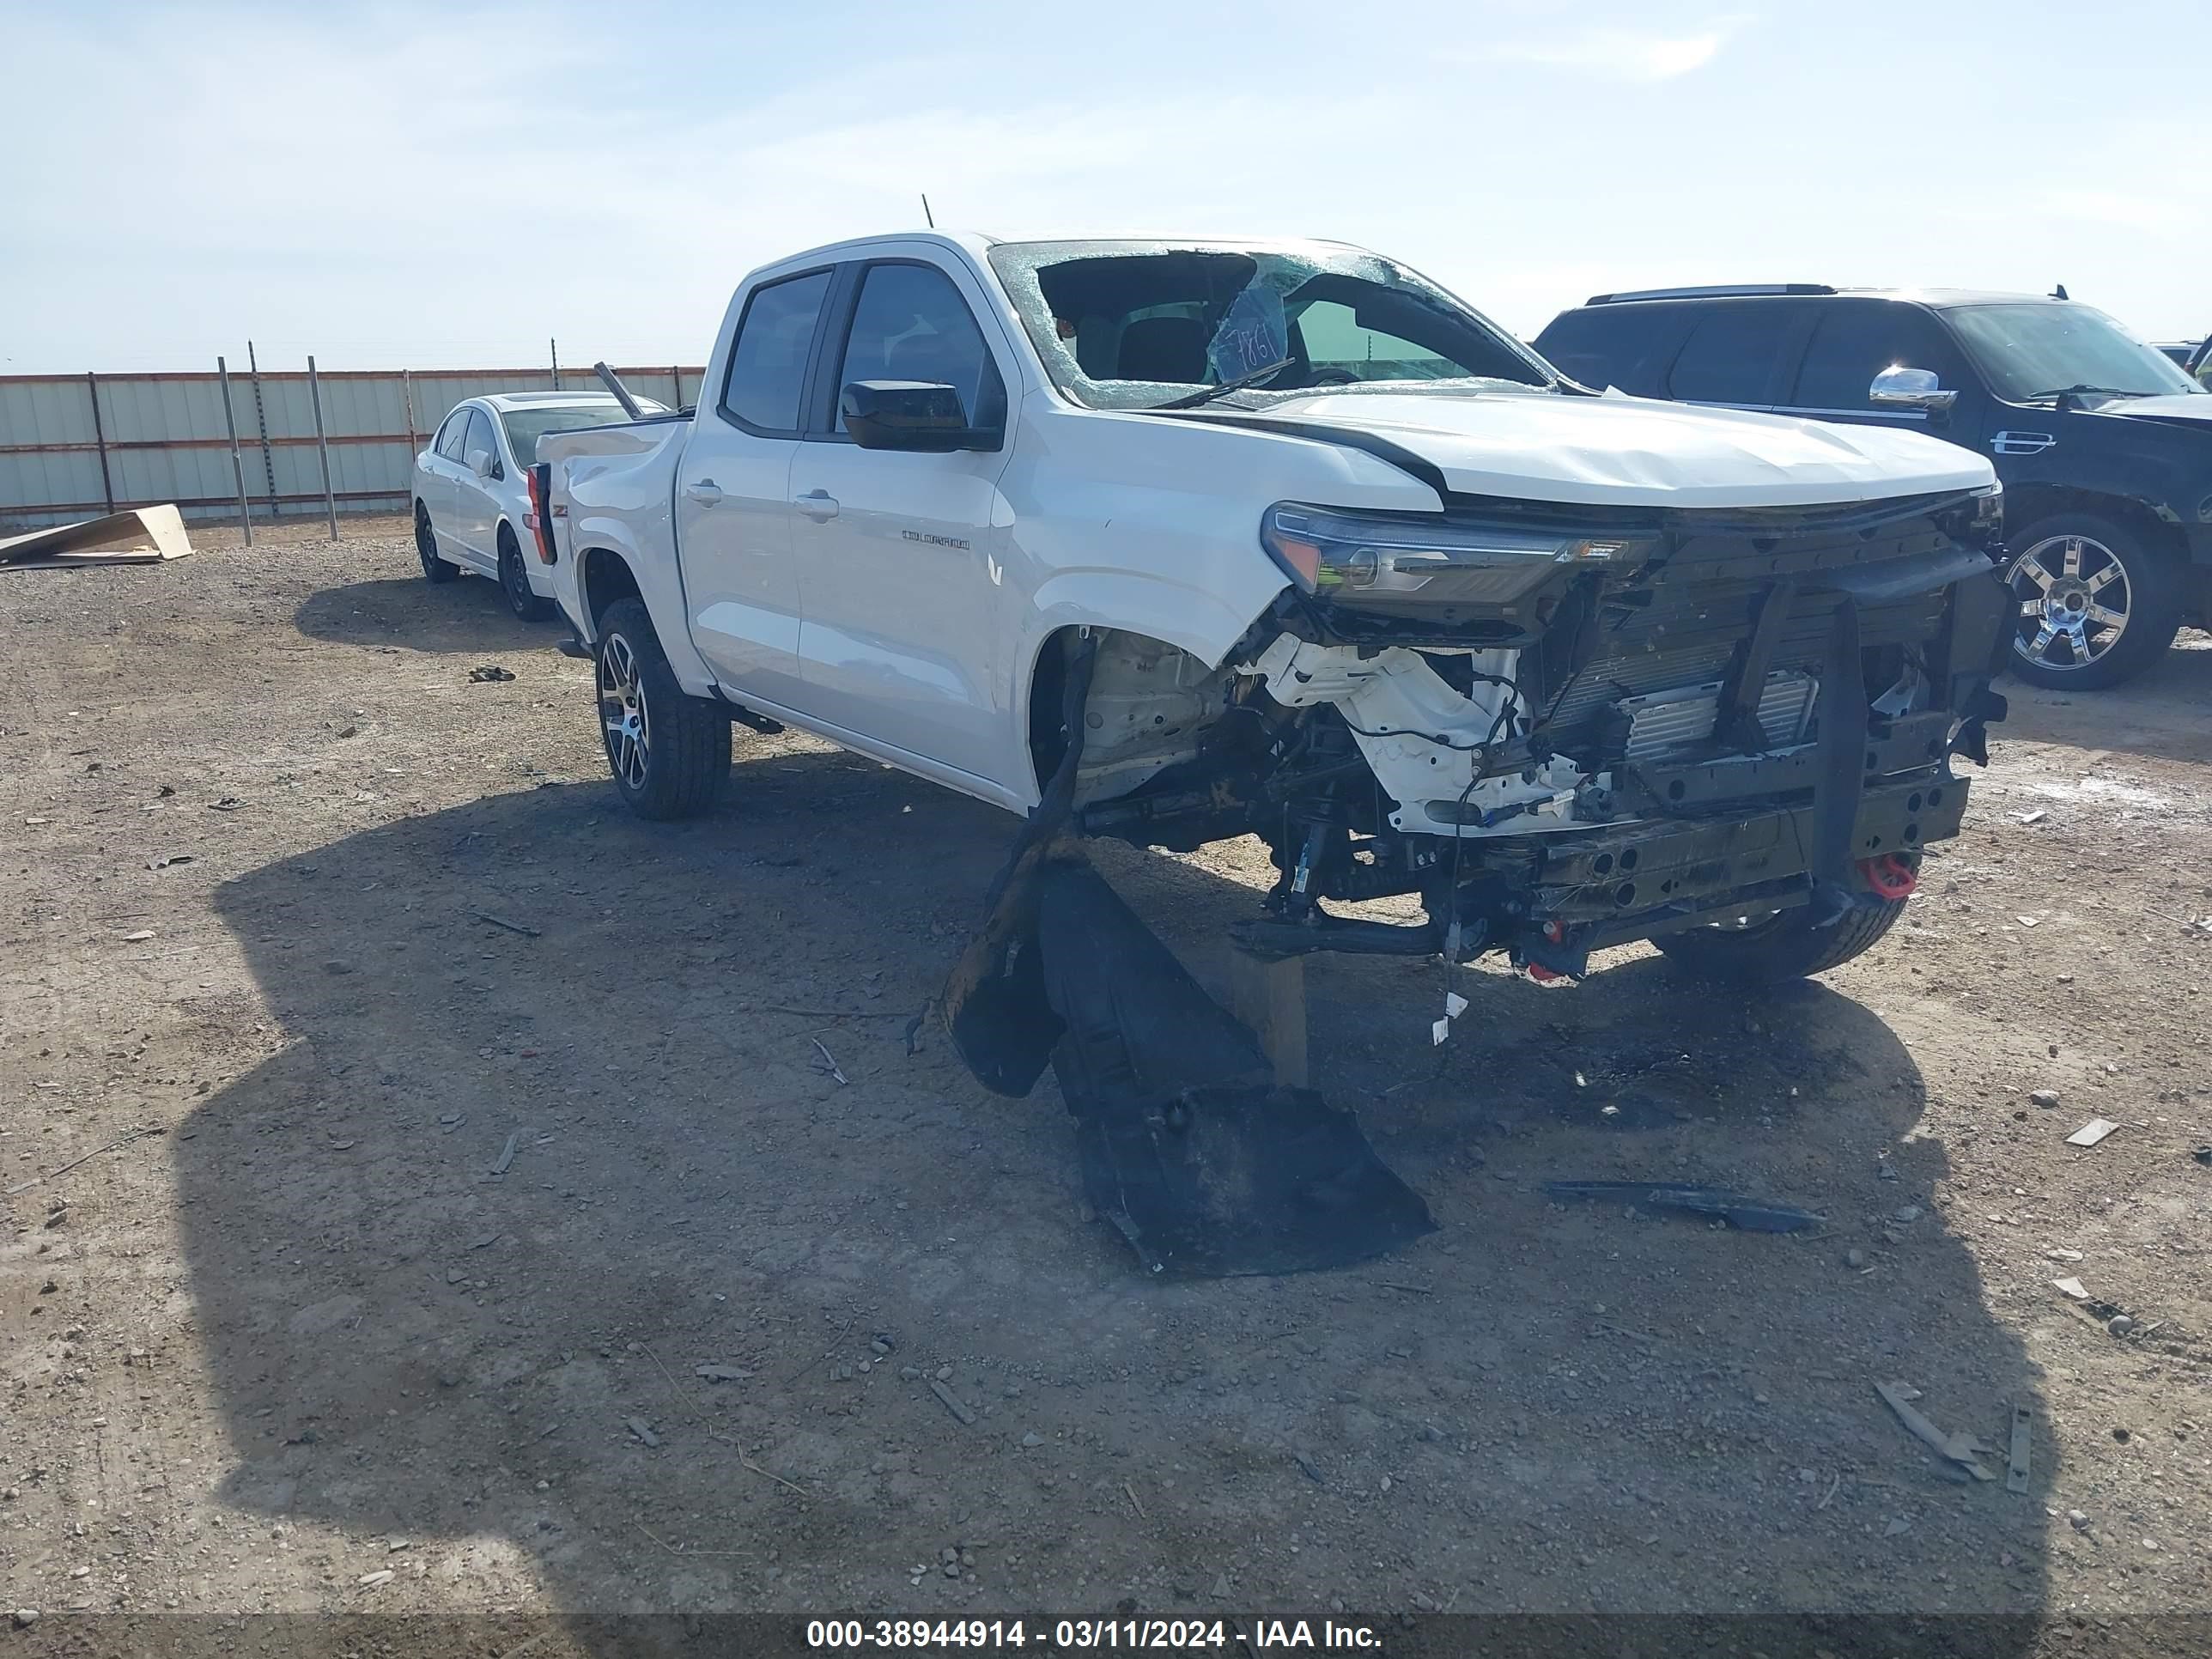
x=623, y=713
x=2073, y=596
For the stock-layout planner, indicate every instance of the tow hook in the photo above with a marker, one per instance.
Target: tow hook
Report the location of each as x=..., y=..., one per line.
x=1890, y=877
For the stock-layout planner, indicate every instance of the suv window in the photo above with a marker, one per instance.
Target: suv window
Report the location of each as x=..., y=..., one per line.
x=1853, y=343
x=910, y=323
x=451, y=434
x=768, y=362
x=1732, y=353
x=1624, y=345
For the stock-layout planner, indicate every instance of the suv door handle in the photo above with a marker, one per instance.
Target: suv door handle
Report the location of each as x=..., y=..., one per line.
x=818, y=505
x=706, y=492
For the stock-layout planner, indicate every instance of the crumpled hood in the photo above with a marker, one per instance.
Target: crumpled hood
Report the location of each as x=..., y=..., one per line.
x=2183, y=406
x=1637, y=452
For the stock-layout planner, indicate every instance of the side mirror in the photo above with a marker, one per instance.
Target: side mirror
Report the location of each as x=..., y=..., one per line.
x=480, y=463
x=1899, y=387
x=913, y=415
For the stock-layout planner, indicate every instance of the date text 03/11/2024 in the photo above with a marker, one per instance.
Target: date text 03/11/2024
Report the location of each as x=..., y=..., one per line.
x=1083, y=1634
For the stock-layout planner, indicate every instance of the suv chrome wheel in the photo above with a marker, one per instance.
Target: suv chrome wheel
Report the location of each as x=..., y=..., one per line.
x=621, y=711
x=2073, y=601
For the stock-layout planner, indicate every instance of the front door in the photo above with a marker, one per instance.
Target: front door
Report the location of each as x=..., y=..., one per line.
x=734, y=500
x=1856, y=340
x=897, y=552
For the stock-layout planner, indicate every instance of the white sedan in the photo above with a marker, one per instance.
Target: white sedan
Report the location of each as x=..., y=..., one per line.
x=473, y=488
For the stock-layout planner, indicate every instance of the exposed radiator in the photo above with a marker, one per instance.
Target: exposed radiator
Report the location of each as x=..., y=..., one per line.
x=1660, y=722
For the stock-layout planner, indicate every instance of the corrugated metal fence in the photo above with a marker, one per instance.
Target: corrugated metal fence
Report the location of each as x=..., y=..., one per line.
x=75, y=445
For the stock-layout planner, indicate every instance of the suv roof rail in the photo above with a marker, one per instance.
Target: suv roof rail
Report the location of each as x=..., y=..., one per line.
x=1721, y=291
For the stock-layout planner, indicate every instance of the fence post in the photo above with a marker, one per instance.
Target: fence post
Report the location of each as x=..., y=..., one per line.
x=554, y=346
x=237, y=466
x=100, y=437
x=407, y=397
x=315, y=395
x=261, y=419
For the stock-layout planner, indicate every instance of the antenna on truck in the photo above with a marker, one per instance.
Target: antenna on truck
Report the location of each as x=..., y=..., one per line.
x=612, y=381
x=927, y=217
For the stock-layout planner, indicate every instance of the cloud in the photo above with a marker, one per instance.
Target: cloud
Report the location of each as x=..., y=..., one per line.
x=1623, y=54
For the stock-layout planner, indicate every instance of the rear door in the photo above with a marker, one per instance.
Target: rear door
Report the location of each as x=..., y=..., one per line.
x=476, y=509
x=732, y=506
x=897, y=551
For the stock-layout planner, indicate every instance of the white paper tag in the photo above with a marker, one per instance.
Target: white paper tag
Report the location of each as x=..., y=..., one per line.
x=1455, y=1005
x=1438, y=1032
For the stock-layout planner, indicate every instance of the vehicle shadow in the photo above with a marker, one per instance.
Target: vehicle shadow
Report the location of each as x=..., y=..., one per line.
x=573, y=1106
x=465, y=615
x=2161, y=712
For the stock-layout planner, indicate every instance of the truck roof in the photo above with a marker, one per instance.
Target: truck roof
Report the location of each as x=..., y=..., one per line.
x=978, y=246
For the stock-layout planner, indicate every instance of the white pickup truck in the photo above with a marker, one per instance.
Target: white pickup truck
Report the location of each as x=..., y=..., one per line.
x=1177, y=540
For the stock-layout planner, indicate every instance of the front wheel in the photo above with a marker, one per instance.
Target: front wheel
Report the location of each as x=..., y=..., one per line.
x=669, y=752
x=515, y=581
x=2097, y=603
x=1782, y=946
x=426, y=549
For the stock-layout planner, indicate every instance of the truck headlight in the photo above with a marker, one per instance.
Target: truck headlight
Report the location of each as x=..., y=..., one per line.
x=1377, y=558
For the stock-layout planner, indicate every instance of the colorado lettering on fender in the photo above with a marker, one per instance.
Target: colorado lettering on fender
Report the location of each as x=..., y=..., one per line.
x=935, y=541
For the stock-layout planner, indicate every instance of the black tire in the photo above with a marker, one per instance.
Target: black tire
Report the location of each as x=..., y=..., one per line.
x=669, y=753
x=1785, y=946
x=515, y=581
x=426, y=549
x=2068, y=567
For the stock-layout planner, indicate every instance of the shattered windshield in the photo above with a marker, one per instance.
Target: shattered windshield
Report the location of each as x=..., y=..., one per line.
x=1135, y=324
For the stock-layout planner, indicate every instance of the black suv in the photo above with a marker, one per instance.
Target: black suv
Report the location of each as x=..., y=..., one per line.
x=2103, y=444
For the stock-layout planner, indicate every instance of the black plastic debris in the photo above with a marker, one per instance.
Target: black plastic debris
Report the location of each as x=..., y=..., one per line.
x=1206, y=1167
x=1188, y=1147
x=1752, y=1214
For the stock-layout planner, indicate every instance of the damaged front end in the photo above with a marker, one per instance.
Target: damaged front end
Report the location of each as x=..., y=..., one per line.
x=1566, y=727
x=1559, y=728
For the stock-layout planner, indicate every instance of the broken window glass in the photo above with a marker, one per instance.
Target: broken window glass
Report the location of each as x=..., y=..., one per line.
x=1127, y=324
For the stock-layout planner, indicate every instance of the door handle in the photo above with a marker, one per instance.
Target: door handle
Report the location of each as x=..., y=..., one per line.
x=818, y=505
x=706, y=492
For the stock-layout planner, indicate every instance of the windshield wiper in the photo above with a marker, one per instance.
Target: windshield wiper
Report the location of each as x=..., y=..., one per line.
x=1207, y=394
x=2082, y=392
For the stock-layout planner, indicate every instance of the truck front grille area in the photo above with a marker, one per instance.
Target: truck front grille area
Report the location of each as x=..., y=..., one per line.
x=1631, y=659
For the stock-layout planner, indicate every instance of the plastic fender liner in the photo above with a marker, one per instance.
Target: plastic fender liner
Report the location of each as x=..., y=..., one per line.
x=1204, y=1166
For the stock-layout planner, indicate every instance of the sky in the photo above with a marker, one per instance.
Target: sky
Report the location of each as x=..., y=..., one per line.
x=455, y=185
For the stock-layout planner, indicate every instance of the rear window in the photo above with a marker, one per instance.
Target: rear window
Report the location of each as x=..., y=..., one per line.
x=1733, y=354
x=1622, y=345
x=767, y=364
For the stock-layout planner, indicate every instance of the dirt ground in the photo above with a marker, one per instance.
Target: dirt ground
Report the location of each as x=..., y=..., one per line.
x=399, y=1300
